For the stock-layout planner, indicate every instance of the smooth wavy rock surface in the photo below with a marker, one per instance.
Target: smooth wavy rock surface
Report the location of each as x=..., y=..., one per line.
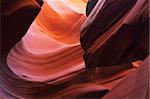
x=116, y=32
x=48, y=61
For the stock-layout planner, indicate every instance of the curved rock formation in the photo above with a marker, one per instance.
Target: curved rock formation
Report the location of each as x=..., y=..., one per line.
x=116, y=32
x=42, y=57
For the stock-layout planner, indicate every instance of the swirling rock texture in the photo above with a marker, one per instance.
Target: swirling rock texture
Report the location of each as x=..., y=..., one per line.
x=46, y=60
x=119, y=26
